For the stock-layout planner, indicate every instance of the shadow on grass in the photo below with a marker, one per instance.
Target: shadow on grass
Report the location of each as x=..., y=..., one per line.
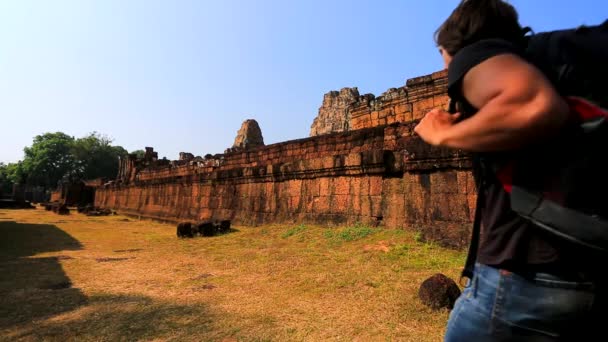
x=22, y=240
x=229, y=231
x=33, y=288
x=125, y=318
x=38, y=302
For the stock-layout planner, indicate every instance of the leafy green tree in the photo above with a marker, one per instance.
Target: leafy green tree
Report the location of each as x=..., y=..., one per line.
x=48, y=159
x=95, y=157
x=55, y=157
x=10, y=174
x=5, y=182
x=15, y=173
x=139, y=153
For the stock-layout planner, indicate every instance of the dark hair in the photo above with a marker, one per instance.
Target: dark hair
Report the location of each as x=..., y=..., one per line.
x=474, y=20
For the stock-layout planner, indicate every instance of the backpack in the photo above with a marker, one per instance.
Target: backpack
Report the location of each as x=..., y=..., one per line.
x=562, y=185
x=574, y=60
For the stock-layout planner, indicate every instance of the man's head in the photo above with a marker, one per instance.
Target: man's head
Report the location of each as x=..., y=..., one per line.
x=474, y=20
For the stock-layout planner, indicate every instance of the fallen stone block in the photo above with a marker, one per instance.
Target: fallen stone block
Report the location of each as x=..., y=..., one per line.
x=223, y=226
x=63, y=210
x=206, y=228
x=439, y=292
x=184, y=230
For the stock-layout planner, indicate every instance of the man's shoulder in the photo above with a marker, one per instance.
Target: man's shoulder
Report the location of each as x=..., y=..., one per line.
x=474, y=54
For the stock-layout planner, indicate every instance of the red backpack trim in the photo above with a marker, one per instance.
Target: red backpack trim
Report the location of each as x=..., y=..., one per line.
x=581, y=111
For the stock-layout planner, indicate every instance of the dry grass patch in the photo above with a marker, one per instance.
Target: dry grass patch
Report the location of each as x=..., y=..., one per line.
x=107, y=278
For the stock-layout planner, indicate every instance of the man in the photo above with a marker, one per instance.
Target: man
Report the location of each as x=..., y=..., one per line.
x=528, y=285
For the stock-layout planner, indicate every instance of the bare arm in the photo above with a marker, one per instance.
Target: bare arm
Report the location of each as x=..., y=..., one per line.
x=517, y=105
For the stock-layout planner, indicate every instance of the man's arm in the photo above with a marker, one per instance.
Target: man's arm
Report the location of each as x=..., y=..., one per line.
x=517, y=105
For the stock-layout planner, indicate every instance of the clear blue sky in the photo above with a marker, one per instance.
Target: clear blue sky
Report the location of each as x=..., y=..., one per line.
x=183, y=75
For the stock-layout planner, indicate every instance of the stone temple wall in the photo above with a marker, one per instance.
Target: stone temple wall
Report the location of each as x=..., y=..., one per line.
x=377, y=173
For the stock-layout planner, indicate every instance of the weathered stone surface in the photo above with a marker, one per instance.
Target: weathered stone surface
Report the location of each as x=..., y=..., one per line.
x=347, y=110
x=249, y=136
x=334, y=114
x=439, y=292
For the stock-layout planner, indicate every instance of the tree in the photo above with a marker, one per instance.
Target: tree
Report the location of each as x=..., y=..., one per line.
x=15, y=172
x=55, y=157
x=48, y=159
x=96, y=157
x=5, y=183
x=139, y=153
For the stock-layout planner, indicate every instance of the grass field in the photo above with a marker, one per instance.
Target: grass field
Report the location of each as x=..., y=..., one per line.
x=114, y=278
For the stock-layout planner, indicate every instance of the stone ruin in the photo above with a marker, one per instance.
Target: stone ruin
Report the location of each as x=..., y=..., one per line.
x=248, y=137
x=334, y=114
x=185, y=156
x=129, y=167
x=362, y=163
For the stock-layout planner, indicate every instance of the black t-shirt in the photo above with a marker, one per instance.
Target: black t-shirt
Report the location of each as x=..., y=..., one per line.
x=507, y=240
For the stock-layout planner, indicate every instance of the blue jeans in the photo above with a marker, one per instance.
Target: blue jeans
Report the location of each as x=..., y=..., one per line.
x=498, y=305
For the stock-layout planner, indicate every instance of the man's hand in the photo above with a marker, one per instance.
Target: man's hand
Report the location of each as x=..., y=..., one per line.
x=434, y=124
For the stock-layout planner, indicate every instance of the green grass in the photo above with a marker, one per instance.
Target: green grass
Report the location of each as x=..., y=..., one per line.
x=347, y=234
x=294, y=231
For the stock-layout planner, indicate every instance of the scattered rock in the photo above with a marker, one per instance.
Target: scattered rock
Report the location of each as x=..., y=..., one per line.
x=212, y=228
x=439, y=292
x=91, y=210
x=111, y=259
x=207, y=287
x=185, y=230
x=63, y=210
x=224, y=226
x=203, y=276
x=57, y=207
x=204, y=228
x=128, y=250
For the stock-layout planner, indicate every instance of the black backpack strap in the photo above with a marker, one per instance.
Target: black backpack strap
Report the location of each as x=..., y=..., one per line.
x=463, y=61
x=469, y=267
